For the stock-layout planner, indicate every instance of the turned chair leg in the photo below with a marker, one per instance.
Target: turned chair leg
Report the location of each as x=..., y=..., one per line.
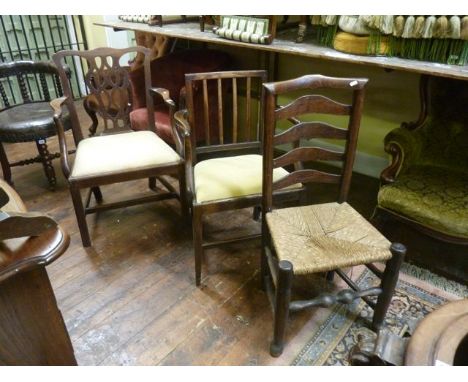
x=282, y=299
x=197, y=228
x=46, y=162
x=257, y=211
x=5, y=165
x=80, y=215
x=330, y=276
x=388, y=284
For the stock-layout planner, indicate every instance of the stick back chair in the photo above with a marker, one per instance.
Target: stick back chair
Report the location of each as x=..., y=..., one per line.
x=224, y=171
x=30, y=120
x=119, y=155
x=323, y=237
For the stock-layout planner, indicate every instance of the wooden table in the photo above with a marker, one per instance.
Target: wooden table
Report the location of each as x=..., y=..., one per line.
x=32, y=331
x=284, y=43
x=441, y=338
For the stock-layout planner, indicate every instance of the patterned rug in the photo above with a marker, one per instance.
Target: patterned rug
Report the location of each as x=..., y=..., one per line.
x=332, y=342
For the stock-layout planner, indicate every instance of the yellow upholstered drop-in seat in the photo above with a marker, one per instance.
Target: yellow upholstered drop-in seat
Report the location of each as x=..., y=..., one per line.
x=117, y=153
x=230, y=177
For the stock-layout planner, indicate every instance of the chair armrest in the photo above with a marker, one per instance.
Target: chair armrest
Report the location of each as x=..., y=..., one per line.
x=164, y=94
x=57, y=107
x=21, y=224
x=182, y=128
x=405, y=147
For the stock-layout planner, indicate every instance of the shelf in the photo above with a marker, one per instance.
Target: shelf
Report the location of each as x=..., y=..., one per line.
x=284, y=44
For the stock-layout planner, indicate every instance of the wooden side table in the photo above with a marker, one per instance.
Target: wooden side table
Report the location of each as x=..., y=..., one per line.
x=32, y=330
x=441, y=338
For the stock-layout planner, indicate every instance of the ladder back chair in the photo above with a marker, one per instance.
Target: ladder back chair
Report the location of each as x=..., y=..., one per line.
x=320, y=238
x=224, y=172
x=119, y=154
x=31, y=119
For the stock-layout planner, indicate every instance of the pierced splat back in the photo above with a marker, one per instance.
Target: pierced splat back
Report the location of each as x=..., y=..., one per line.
x=108, y=81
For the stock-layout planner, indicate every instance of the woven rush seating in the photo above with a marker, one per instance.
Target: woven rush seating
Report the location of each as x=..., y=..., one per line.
x=324, y=237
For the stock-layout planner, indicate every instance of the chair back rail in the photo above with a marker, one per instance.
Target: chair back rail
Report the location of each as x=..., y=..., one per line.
x=310, y=103
x=109, y=82
x=224, y=129
x=17, y=72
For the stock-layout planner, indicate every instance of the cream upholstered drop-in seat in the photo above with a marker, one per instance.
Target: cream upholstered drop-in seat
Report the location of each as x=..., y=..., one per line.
x=109, y=154
x=230, y=177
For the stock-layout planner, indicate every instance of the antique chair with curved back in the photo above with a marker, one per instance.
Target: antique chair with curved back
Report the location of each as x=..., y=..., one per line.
x=31, y=120
x=320, y=238
x=119, y=154
x=224, y=170
x=426, y=185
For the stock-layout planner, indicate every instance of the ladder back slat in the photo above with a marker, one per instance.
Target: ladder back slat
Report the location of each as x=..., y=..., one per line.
x=305, y=176
x=307, y=154
x=312, y=104
x=310, y=130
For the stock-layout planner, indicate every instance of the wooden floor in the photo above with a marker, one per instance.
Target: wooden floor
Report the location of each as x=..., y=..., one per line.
x=131, y=298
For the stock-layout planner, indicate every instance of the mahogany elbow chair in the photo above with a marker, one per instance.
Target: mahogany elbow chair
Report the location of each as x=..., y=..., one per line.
x=319, y=238
x=119, y=154
x=224, y=171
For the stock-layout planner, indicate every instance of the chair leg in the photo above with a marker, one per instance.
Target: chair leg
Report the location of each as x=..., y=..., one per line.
x=97, y=194
x=330, y=276
x=378, y=219
x=92, y=114
x=80, y=215
x=5, y=166
x=388, y=284
x=152, y=183
x=46, y=162
x=184, y=203
x=257, y=211
x=282, y=298
x=197, y=228
x=263, y=269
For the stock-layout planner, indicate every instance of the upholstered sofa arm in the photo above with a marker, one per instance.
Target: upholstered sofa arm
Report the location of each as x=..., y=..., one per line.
x=405, y=148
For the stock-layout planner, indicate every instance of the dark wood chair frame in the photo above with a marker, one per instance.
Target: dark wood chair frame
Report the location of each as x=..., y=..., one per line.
x=184, y=119
x=390, y=173
x=277, y=275
x=41, y=69
x=176, y=169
